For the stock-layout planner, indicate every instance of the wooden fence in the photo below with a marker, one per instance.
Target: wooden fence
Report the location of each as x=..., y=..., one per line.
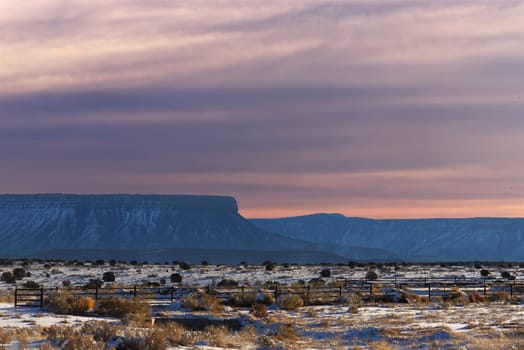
x=311, y=293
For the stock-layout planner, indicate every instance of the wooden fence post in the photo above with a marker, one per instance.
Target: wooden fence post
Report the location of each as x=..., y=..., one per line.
x=484, y=287
x=172, y=293
x=429, y=291
x=41, y=297
x=242, y=291
x=134, y=291
x=370, y=290
x=96, y=293
x=276, y=292
x=16, y=297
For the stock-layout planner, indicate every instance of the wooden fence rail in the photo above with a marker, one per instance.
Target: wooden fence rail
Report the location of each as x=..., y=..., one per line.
x=319, y=294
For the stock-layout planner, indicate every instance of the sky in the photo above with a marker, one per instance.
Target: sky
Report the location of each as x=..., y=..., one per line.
x=375, y=108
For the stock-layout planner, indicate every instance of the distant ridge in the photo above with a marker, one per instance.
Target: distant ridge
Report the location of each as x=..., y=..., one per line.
x=417, y=240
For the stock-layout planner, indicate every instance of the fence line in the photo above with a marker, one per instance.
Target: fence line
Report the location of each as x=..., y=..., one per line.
x=343, y=288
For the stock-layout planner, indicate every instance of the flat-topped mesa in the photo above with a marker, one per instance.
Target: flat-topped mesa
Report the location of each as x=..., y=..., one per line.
x=135, y=225
x=106, y=201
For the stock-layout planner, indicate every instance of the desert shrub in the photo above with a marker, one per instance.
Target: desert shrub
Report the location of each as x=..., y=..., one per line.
x=59, y=333
x=131, y=341
x=63, y=303
x=227, y=283
x=477, y=298
x=156, y=340
x=5, y=336
x=108, y=276
x=500, y=295
x=94, y=283
x=19, y=273
x=259, y=310
x=175, y=334
x=203, y=302
x=325, y=273
x=269, y=266
x=287, y=332
x=99, y=262
x=67, y=284
x=191, y=303
x=457, y=296
x=31, y=285
x=218, y=337
x=8, y=277
x=238, y=300
x=176, y=278
x=101, y=331
x=184, y=266
x=7, y=296
x=317, y=282
x=290, y=302
x=410, y=298
x=204, y=263
x=265, y=299
x=81, y=305
x=371, y=276
x=6, y=262
x=211, y=303
x=82, y=342
x=122, y=307
x=484, y=273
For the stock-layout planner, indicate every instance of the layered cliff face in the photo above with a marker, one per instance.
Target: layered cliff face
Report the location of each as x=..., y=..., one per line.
x=31, y=224
x=413, y=240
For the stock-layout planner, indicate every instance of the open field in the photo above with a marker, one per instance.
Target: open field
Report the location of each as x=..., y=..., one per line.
x=394, y=316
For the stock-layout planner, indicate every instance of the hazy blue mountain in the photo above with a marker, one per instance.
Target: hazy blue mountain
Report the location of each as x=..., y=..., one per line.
x=495, y=239
x=140, y=226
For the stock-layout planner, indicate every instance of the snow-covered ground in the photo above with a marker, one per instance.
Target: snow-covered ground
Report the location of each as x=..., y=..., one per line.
x=440, y=325
x=54, y=275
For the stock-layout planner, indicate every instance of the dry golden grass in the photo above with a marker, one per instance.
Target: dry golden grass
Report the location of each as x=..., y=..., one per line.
x=203, y=302
x=7, y=296
x=290, y=302
x=259, y=310
x=121, y=307
x=63, y=303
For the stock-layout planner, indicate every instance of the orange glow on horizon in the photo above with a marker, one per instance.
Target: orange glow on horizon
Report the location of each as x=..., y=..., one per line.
x=465, y=209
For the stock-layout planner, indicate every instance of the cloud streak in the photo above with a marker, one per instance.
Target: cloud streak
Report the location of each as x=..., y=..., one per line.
x=379, y=108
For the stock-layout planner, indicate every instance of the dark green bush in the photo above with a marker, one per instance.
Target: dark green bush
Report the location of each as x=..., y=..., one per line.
x=19, y=273
x=176, y=278
x=325, y=273
x=8, y=277
x=371, y=276
x=31, y=284
x=227, y=283
x=184, y=266
x=108, y=276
